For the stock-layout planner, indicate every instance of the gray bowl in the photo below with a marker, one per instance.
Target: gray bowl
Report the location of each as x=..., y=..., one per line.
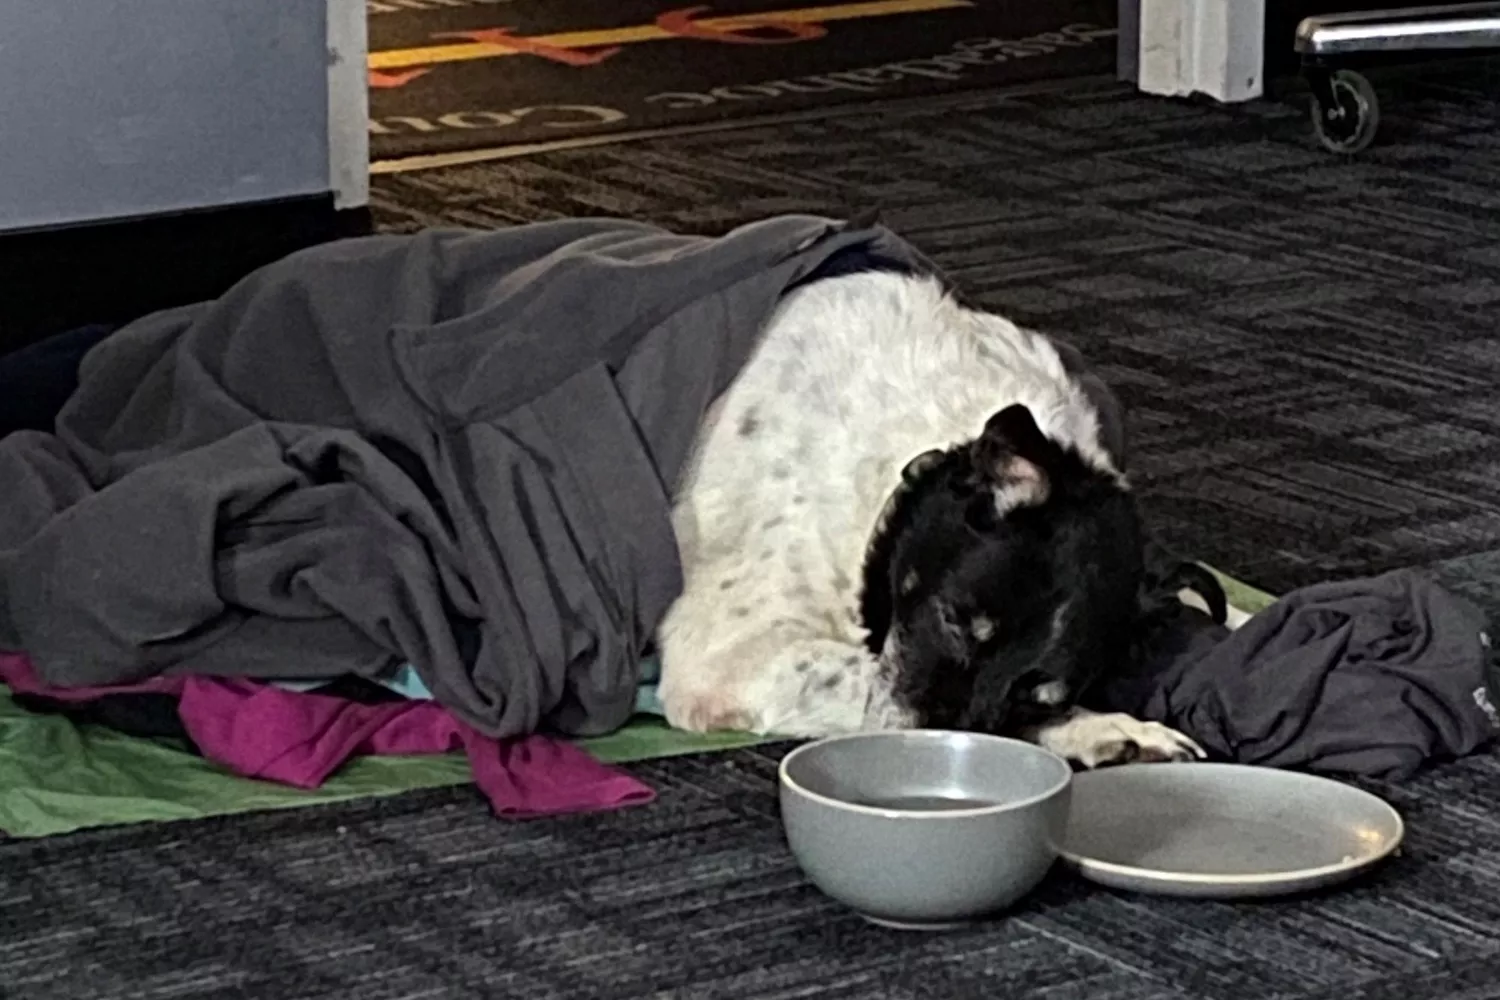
x=922, y=829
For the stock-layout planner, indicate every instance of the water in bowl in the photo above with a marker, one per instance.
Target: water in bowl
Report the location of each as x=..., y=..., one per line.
x=926, y=803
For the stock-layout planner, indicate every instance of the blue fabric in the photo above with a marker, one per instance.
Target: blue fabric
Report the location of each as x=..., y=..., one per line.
x=405, y=682
x=646, y=700
x=408, y=684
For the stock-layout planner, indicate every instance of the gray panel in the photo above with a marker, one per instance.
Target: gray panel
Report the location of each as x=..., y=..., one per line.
x=128, y=107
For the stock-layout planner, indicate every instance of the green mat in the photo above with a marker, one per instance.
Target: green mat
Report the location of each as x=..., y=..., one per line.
x=56, y=777
x=1242, y=595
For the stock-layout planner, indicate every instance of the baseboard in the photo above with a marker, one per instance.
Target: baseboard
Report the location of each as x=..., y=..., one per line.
x=112, y=272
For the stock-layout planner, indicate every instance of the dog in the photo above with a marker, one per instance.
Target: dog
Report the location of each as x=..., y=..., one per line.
x=900, y=515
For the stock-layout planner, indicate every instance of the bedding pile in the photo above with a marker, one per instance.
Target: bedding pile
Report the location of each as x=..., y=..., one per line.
x=405, y=495
x=452, y=452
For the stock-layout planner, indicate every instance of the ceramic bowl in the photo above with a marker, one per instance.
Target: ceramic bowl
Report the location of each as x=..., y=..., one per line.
x=924, y=829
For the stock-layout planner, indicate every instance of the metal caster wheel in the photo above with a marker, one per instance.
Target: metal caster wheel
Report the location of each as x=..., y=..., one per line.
x=1345, y=112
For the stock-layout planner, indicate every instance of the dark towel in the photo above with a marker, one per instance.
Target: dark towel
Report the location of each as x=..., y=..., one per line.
x=1370, y=677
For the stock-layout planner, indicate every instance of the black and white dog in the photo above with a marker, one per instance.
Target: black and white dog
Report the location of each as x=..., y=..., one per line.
x=899, y=515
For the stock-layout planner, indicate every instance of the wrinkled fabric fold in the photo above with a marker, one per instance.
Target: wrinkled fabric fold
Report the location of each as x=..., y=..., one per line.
x=1371, y=677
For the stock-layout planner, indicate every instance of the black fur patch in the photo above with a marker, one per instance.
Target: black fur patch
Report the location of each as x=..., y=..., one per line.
x=875, y=599
x=1003, y=601
x=857, y=259
x=1165, y=575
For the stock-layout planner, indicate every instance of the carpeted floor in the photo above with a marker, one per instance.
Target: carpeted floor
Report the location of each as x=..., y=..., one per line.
x=426, y=896
x=1308, y=348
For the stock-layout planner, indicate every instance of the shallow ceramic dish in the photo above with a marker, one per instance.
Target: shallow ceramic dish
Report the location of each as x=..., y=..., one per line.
x=924, y=829
x=1223, y=831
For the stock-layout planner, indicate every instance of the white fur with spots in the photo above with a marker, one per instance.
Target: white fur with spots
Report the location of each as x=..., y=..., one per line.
x=854, y=377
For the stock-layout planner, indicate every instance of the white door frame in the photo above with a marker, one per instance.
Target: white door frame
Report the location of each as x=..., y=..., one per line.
x=1210, y=47
x=348, y=104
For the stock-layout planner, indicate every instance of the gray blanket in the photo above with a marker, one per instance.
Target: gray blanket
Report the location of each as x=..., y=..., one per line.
x=454, y=449
x=1373, y=677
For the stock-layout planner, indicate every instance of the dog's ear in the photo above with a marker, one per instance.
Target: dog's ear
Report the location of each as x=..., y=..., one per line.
x=918, y=466
x=1010, y=456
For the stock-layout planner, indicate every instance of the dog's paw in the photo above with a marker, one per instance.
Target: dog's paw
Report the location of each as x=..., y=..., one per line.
x=1104, y=740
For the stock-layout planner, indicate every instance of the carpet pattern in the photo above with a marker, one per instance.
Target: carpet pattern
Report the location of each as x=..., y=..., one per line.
x=694, y=897
x=1306, y=347
x=1306, y=344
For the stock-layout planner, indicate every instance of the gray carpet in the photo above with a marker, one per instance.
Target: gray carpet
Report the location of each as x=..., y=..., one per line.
x=1308, y=351
x=694, y=896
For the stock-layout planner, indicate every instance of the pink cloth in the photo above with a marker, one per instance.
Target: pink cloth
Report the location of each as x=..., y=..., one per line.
x=299, y=739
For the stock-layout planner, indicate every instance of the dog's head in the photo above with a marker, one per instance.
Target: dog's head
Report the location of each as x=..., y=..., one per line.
x=1006, y=576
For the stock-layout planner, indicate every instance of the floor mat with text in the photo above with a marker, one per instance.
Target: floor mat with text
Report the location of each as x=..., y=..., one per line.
x=455, y=75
